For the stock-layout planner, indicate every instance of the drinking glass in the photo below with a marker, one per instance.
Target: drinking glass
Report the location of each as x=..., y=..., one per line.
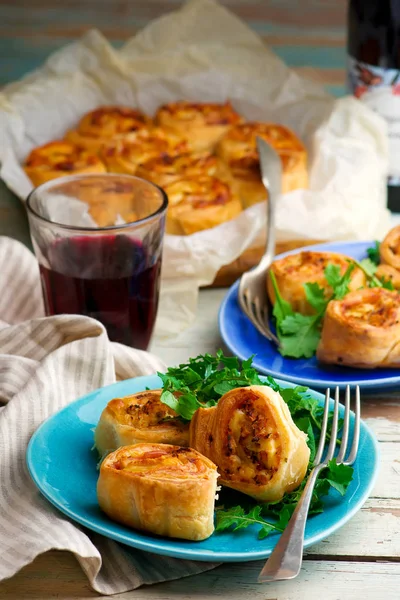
x=98, y=240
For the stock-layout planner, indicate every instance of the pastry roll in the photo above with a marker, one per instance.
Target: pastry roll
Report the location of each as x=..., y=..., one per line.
x=294, y=270
x=166, y=169
x=105, y=123
x=389, y=248
x=251, y=437
x=362, y=330
x=113, y=199
x=388, y=273
x=58, y=159
x=238, y=148
x=196, y=204
x=205, y=122
x=161, y=489
x=125, y=154
x=139, y=418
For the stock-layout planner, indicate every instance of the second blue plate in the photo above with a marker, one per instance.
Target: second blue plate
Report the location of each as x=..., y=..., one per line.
x=243, y=339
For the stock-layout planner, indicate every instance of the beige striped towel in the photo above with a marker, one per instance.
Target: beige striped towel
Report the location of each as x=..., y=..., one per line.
x=45, y=363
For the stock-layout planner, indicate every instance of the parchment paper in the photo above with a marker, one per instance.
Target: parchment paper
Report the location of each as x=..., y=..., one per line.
x=203, y=52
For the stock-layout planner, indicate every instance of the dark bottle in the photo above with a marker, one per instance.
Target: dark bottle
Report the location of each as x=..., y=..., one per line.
x=374, y=72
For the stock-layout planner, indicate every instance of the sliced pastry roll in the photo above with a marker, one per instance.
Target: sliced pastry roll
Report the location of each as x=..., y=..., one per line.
x=126, y=153
x=99, y=126
x=58, y=159
x=160, y=488
x=113, y=199
x=294, y=270
x=362, y=330
x=389, y=248
x=166, y=169
x=238, y=148
x=205, y=122
x=200, y=203
x=141, y=417
x=251, y=437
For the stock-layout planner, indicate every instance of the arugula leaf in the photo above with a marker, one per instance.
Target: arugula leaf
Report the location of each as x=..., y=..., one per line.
x=300, y=335
x=315, y=296
x=236, y=518
x=339, y=283
x=387, y=284
x=373, y=253
x=332, y=275
x=368, y=266
x=282, y=308
x=339, y=476
x=203, y=380
x=343, y=288
x=304, y=424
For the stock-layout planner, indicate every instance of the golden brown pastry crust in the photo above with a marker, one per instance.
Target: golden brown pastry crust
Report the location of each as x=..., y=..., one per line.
x=294, y=270
x=126, y=153
x=251, y=437
x=196, y=204
x=141, y=417
x=389, y=248
x=100, y=126
x=238, y=148
x=160, y=488
x=166, y=169
x=362, y=330
x=58, y=159
x=205, y=122
x=114, y=198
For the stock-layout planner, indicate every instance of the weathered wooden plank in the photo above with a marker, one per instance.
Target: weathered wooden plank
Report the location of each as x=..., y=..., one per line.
x=57, y=575
x=373, y=532
x=388, y=481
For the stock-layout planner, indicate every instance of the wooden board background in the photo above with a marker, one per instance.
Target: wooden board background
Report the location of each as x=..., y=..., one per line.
x=304, y=33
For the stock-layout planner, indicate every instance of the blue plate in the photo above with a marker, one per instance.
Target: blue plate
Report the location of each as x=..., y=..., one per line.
x=63, y=467
x=243, y=339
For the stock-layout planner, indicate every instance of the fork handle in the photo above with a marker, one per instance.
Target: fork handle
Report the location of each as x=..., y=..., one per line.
x=286, y=558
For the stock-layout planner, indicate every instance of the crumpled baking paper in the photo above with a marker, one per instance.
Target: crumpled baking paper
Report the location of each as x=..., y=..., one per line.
x=203, y=52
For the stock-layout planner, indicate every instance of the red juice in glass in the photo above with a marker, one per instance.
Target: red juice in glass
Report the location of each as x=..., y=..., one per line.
x=111, y=274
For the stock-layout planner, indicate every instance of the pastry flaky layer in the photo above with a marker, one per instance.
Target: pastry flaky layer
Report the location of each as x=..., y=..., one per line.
x=362, y=330
x=126, y=153
x=205, y=122
x=159, y=488
x=238, y=149
x=141, y=417
x=294, y=270
x=199, y=203
x=389, y=248
x=166, y=169
x=58, y=159
x=105, y=123
x=251, y=437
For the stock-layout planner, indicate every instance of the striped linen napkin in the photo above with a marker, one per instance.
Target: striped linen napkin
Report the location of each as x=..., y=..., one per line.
x=45, y=363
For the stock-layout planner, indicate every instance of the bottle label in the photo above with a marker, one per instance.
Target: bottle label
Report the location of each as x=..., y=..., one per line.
x=379, y=89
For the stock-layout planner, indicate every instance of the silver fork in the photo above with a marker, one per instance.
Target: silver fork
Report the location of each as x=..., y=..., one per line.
x=285, y=561
x=252, y=292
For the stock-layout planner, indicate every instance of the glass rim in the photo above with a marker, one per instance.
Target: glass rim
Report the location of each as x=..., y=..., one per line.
x=68, y=178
